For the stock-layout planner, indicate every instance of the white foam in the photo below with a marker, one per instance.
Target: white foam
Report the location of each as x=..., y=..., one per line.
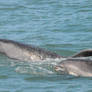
x=40, y=67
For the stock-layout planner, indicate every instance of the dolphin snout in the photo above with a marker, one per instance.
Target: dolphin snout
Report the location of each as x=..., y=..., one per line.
x=60, y=68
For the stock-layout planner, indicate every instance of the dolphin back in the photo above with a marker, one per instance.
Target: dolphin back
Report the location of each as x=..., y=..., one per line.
x=20, y=51
x=84, y=53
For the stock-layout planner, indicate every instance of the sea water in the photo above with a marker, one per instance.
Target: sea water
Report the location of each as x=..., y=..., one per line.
x=61, y=26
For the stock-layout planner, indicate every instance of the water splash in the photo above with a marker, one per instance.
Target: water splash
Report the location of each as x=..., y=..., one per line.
x=45, y=67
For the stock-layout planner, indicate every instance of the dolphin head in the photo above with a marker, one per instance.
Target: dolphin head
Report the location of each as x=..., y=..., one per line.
x=75, y=67
x=61, y=68
x=66, y=68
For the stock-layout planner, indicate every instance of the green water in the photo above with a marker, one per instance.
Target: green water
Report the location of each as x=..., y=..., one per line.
x=62, y=26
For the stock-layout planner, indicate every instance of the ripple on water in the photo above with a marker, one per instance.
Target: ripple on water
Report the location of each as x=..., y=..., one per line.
x=64, y=26
x=4, y=77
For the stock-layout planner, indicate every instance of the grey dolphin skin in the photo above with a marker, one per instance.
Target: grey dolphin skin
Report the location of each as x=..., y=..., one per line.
x=75, y=67
x=24, y=52
x=84, y=53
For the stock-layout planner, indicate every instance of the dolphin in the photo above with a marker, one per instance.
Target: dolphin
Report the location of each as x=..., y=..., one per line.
x=75, y=67
x=25, y=52
x=83, y=53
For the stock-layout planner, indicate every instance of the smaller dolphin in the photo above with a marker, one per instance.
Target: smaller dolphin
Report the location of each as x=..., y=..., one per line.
x=75, y=67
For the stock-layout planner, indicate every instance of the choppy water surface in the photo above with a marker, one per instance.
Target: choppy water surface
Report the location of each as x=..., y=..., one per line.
x=63, y=26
